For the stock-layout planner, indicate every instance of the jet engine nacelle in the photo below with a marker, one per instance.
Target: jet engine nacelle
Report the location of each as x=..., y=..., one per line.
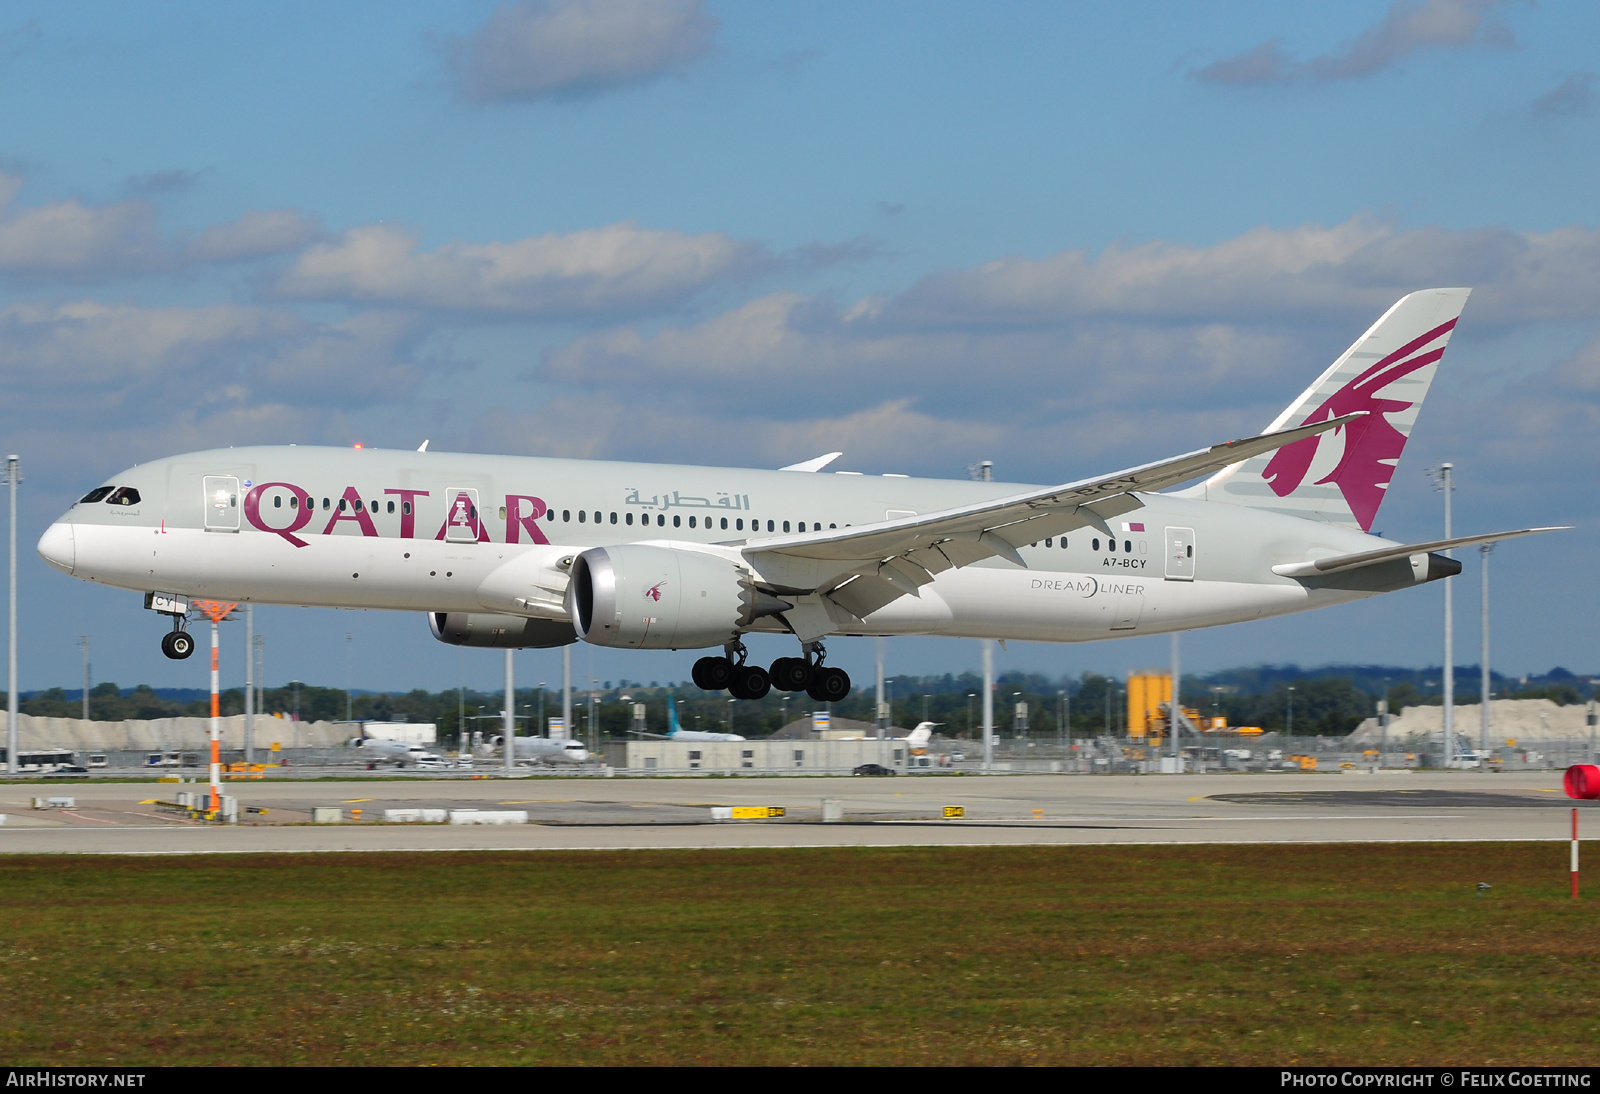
x=659, y=598
x=499, y=631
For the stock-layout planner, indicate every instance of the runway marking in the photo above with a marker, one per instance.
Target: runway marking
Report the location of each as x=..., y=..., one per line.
x=80, y=816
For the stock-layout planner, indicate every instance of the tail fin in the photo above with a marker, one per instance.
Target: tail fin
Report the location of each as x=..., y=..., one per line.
x=672, y=715
x=919, y=737
x=1387, y=373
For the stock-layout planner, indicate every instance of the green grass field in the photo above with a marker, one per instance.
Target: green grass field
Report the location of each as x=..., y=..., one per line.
x=1239, y=954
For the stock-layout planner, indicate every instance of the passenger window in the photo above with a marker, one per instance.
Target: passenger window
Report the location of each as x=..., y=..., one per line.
x=1063, y=543
x=294, y=501
x=677, y=521
x=691, y=522
x=771, y=527
x=597, y=517
x=391, y=508
x=613, y=518
x=341, y=505
x=277, y=501
x=375, y=506
x=833, y=526
x=566, y=515
x=661, y=519
x=724, y=524
x=785, y=526
x=406, y=509
x=123, y=495
x=583, y=515
x=326, y=504
x=97, y=494
x=1047, y=542
x=629, y=518
x=739, y=524
x=502, y=510
x=1189, y=551
x=1127, y=545
x=1095, y=543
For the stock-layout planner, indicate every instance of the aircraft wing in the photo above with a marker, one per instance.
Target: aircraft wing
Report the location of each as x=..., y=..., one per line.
x=861, y=568
x=1339, y=563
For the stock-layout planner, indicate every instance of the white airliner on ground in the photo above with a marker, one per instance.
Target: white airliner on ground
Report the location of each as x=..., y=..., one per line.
x=547, y=750
x=676, y=732
x=399, y=753
x=510, y=551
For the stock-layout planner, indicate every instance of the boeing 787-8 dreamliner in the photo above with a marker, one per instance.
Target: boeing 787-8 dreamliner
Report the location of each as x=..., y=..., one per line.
x=529, y=552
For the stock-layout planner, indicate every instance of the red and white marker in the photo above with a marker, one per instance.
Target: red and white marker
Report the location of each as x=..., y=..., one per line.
x=216, y=611
x=1582, y=782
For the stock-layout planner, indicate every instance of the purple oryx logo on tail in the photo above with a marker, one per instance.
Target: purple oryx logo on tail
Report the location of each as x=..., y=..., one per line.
x=1372, y=445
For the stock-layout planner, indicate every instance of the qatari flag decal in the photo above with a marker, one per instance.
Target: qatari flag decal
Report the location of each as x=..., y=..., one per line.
x=1133, y=527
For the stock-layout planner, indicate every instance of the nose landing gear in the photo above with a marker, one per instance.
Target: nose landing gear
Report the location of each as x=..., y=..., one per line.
x=177, y=643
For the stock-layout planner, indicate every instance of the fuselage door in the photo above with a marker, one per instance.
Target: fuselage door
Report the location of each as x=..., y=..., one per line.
x=1180, y=554
x=222, y=503
x=461, y=522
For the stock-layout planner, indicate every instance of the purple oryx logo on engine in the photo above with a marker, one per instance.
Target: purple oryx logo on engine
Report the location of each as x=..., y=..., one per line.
x=654, y=591
x=1372, y=445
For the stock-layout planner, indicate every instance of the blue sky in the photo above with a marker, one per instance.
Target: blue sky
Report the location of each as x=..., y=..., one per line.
x=1061, y=237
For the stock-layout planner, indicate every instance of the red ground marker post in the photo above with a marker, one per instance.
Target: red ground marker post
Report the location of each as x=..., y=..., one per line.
x=216, y=611
x=1574, y=854
x=1581, y=782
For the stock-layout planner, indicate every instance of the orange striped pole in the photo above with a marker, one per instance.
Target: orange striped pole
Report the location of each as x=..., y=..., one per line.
x=216, y=725
x=216, y=611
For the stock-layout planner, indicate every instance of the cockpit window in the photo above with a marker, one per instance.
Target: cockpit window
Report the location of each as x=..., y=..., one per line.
x=97, y=494
x=123, y=495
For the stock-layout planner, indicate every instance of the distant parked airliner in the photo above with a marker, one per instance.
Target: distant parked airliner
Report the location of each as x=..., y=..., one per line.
x=524, y=552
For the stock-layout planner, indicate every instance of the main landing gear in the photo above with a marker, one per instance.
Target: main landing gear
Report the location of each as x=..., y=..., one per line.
x=177, y=643
x=823, y=683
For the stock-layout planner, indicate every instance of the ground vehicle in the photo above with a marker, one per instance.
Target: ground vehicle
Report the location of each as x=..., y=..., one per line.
x=872, y=769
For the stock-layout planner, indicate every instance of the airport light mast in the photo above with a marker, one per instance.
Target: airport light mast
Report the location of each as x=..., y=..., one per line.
x=216, y=611
x=1443, y=481
x=13, y=478
x=1483, y=709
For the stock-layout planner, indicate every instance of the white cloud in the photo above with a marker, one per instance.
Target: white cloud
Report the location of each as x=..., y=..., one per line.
x=1409, y=27
x=68, y=241
x=256, y=234
x=619, y=268
x=99, y=364
x=1162, y=322
x=1271, y=275
x=566, y=48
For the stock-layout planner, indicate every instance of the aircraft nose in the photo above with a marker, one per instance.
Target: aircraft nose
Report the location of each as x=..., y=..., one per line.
x=58, y=547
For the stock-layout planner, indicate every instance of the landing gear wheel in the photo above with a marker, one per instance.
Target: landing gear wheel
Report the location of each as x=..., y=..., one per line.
x=790, y=674
x=750, y=682
x=829, y=685
x=177, y=645
x=712, y=673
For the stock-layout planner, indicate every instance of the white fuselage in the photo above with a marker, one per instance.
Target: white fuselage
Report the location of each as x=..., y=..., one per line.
x=551, y=750
x=369, y=528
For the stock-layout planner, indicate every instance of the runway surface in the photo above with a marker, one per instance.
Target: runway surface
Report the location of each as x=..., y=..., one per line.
x=121, y=818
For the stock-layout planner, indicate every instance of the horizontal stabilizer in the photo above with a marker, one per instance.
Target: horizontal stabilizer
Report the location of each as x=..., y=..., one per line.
x=1340, y=563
